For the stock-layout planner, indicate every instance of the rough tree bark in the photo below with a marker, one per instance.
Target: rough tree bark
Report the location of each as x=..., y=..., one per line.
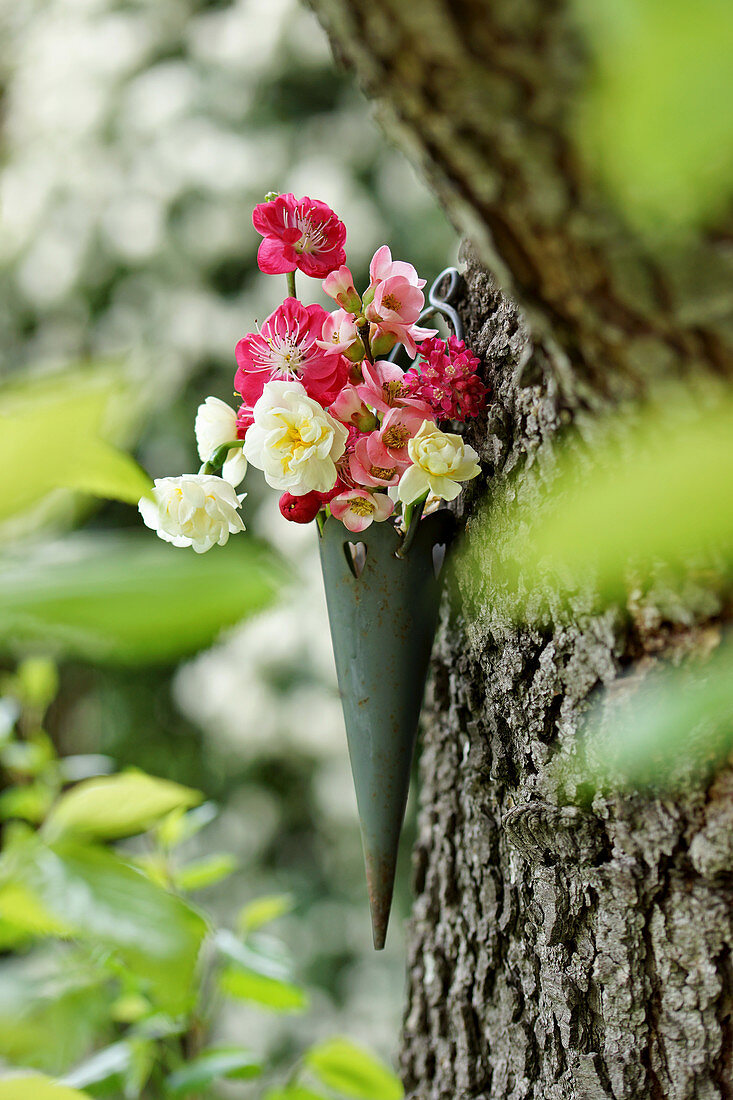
x=555, y=952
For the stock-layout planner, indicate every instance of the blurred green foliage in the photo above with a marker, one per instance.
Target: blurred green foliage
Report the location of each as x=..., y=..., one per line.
x=664, y=725
x=657, y=117
x=117, y=975
x=54, y=434
x=649, y=503
x=130, y=597
x=655, y=489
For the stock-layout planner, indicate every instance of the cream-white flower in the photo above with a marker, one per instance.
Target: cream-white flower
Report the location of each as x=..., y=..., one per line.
x=215, y=424
x=198, y=510
x=440, y=461
x=293, y=440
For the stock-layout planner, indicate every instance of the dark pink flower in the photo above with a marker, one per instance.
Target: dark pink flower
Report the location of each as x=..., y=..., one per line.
x=285, y=348
x=299, y=233
x=446, y=379
x=245, y=419
x=302, y=509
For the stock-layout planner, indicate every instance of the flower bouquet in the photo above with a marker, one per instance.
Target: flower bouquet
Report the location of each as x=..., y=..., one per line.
x=360, y=447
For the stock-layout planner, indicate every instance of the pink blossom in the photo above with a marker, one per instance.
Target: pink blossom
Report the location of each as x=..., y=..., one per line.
x=339, y=336
x=393, y=303
x=299, y=233
x=384, y=267
x=351, y=410
x=287, y=348
x=394, y=310
x=357, y=509
x=383, y=389
x=339, y=285
x=446, y=379
x=372, y=470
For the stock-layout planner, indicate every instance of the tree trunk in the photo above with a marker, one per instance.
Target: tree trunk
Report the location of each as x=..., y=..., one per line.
x=555, y=952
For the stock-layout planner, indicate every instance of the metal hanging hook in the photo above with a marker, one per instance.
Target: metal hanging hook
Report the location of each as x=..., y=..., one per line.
x=442, y=303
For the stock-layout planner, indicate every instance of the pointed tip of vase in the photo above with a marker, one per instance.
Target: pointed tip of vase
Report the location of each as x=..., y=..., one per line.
x=379, y=936
x=380, y=883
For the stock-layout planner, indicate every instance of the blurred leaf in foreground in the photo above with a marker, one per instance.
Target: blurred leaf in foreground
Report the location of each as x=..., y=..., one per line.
x=212, y=1065
x=129, y=597
x=35, y=1087
x=655, y=493
x=348, y=1068
x=656, y=118
x=54, y=435
x=112, y=806
x=671, y=720
x=102, y=899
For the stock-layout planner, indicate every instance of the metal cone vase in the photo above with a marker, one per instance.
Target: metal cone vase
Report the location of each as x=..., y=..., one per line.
x=383, y=613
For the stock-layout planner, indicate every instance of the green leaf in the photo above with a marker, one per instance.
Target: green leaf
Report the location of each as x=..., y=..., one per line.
x=655, y=491
x=130, y=597
x=112, y=806
x=180, y=825
x=109, y=1062
x=205, y=872
x=211, y=1065
x=51, y=1012
x=36, y=1087
x=655, y=118
x=263, y=911
x=347, y=1068
x=53, y=431
x=29, y=803
x=273, y=993
x=104, y=900
x=672, y=719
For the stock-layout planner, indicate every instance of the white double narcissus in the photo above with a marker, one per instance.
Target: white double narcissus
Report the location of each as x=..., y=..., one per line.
x=216, y=424
x=198, y=510
x=293, y=440
x=440, y=461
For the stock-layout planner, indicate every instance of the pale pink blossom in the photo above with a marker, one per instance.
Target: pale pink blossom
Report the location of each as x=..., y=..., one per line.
x=394, y=310
x=339, y=285
x=286, y=348
x=357, y=509
x=383, y=387
x=339, y=336
x=384, y=267
x=351, y=410
x=299, y=233
x=372, y=469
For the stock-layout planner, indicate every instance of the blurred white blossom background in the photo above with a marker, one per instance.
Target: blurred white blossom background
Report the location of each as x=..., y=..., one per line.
x=138, y=135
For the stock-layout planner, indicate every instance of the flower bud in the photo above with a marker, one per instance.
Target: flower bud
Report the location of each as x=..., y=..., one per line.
x=301, y=509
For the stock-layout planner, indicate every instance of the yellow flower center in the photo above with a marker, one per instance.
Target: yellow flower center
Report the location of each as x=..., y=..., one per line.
x=391, y=302
x=362, y=507
x=396, y=436
x=382, y=472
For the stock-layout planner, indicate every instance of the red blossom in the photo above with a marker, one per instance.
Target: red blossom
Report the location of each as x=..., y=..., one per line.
x=287, y=348
x=299, y=233
x=446, y=379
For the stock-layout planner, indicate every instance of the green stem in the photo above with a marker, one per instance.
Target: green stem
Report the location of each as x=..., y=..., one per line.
x=321, y=521
x=290, y=276
x=413, y=515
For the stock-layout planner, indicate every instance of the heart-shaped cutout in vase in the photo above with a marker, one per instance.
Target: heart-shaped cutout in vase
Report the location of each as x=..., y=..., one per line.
x=356, y=553
x=438, y=558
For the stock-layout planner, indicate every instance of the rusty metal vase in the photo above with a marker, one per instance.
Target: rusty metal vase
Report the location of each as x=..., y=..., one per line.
x=383, y=613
